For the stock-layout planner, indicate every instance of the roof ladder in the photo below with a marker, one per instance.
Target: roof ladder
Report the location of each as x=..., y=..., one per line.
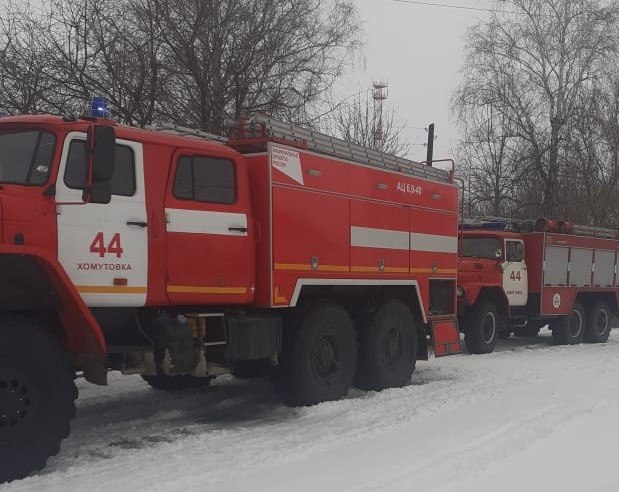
x=260, y=128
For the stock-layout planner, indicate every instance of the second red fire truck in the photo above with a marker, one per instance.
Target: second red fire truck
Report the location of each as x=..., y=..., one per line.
x=519, y=276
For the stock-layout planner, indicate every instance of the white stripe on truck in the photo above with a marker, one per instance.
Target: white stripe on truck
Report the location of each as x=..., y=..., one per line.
x=204, y=222
x=368, y=237
x=434, y=243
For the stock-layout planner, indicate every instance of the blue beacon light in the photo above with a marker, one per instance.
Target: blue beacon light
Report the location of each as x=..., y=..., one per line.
x=98, y=107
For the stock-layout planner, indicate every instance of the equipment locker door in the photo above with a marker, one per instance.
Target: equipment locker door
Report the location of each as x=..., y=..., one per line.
x=103, y=247
x=515, y=281
x=210, y=254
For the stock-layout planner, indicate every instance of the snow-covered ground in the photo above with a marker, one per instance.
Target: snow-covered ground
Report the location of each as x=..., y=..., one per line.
x=530, y=416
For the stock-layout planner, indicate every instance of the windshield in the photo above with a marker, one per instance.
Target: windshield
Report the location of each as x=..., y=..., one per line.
x=481, y=247
x=26, y=156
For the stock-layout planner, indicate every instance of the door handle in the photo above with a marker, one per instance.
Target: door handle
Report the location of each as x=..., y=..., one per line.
x=136, y=223
x=238, y=229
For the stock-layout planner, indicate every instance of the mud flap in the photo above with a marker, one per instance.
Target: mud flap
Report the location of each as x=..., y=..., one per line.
x=446, y=337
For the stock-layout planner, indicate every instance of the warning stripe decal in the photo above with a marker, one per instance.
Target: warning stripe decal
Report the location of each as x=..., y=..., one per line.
x=368, y=237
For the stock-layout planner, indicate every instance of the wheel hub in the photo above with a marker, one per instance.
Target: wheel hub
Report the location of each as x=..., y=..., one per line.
x=602, y=322
x=15, y=399
x=392, y=347
x=489, y=327
x=575, y=324
x=326, y=359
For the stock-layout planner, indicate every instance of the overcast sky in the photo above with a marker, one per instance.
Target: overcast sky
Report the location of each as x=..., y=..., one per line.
x=418, y=50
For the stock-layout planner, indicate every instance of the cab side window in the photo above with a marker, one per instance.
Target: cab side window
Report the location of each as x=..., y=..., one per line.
x=123, y=180
x=514, y=251
x=205, y=179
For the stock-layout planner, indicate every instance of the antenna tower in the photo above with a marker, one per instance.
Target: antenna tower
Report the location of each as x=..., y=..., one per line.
x=379, y=94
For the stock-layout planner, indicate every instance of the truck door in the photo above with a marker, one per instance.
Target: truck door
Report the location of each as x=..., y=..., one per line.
x=210, y=250
x=515, y=282
x=103, y=247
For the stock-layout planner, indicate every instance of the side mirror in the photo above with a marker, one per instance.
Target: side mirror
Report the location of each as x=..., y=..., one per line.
x=102, y=142
x=103, y=152
x=100, y=192
x=498, y=254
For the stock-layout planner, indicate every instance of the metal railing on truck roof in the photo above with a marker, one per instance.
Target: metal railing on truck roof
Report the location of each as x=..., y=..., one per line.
x=259, y=128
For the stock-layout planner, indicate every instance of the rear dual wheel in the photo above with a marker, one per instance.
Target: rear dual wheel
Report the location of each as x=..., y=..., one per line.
x=319, y=358
x=388, y=347
x=598, y=325
x=570, y=329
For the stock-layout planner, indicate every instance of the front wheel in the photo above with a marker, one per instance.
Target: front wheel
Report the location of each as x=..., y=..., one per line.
x=481, y=328
x=37, y=395
x=570, y=329
x=598, y=323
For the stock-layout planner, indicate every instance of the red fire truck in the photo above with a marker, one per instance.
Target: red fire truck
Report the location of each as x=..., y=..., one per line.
x=520, y=276
x=176, y=255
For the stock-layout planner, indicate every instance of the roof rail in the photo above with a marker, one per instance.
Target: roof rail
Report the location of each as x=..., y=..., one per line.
x=174, y=129
x=252, y=133
x=541, y=224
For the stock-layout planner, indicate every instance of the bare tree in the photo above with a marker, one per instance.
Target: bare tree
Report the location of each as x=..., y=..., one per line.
x=491, y=163
x=24, y=63
x=227, y=57
x=102, y=47
x=194, y=62
x=532, y=67
x=354, y=120
x=594, y=152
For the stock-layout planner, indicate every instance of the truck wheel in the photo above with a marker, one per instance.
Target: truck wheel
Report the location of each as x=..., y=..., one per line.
x=388, y=347
x=570, y=329
x=598, y=323
x=174, y=383
x=37, y=396
x=481, y=328
x=319, y=357
x=247, y=369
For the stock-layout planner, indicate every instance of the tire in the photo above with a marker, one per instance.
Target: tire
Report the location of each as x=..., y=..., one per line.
x=319, y=357
x=598, y=325
x=387, y=347
x=570, y=329
x=175, y=383
x=37, y=396
x=247, y=369
x=481, y=328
